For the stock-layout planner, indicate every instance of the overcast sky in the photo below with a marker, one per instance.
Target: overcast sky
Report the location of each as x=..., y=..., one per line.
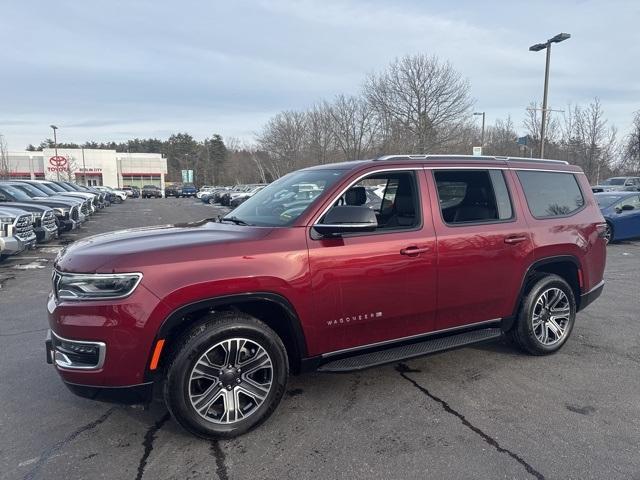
x=114, y=70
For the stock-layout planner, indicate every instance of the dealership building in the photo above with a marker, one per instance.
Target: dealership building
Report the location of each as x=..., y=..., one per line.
x=89, y=167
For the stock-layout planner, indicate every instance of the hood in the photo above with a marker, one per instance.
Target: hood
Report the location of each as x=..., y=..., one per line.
x=133, y=249
x=12, y=212
x=30, y=207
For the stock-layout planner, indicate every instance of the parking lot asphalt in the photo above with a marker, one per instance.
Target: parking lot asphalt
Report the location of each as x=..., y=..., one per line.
x=483, y=412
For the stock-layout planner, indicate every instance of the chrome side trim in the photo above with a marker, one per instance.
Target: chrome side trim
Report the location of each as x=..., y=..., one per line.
x=599, y=285
x=410, y=337
x=62, y=361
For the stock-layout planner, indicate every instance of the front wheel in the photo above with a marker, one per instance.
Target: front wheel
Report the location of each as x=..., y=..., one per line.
x=546, y=316
x=226, y=376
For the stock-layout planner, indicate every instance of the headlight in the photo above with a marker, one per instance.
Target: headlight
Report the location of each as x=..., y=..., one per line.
x=6, y=219
x=74, y=286
x=61, y=211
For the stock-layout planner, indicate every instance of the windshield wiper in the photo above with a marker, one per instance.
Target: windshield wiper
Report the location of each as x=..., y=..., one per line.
x=235, y=220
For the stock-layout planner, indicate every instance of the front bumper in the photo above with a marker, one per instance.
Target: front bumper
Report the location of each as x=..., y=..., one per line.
x=44, y=234
x=126, y=328
x=10, y=245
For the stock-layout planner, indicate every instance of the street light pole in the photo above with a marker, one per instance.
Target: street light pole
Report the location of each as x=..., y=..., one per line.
x=55, y=147
x=536, y=48
x=482, y=135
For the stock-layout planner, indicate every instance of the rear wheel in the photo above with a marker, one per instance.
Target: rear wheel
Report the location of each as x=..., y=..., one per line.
x=226, y=376
x=546, y=316
x=608, y=233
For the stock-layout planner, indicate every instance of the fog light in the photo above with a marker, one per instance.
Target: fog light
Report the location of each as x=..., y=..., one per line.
x=74, y=354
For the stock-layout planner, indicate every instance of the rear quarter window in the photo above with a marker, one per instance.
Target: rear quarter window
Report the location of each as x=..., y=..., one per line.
x=551, y=194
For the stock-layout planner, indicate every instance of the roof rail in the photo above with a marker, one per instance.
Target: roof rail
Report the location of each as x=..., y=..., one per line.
x=424, y=157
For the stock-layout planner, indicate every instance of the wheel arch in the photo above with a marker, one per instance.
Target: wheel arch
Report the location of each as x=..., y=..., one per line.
x=566, y=266
x=271, y=308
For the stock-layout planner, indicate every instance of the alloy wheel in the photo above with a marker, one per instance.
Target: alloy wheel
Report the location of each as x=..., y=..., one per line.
x=230, y=381
x=607, y=233
x=551, y=316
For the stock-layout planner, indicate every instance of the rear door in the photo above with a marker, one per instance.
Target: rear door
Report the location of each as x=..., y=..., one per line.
x=483, y=244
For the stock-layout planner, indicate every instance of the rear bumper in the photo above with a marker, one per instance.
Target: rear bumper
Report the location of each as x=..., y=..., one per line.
x=589, y=297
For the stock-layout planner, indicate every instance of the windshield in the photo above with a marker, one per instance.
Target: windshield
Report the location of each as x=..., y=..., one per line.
x=284, y=200
x=31, y=190
x=614, y=181
x=48, y=188
x=605, y=200
x=17, y=194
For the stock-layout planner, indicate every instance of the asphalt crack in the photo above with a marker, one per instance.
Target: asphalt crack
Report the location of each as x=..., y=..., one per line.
x=403, y=369
x=149, y=438
x=218, y=454
x=51, y=451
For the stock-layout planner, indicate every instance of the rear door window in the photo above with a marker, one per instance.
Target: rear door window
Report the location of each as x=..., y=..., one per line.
x=551, y=194
x=473, y=196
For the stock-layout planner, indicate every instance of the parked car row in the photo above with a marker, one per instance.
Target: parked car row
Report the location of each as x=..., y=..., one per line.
x=37, y=211
x=180, y=190
x=618, y=184
x=230, y=196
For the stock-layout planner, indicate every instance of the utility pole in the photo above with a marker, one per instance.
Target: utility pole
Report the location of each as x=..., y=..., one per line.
x=536, y=48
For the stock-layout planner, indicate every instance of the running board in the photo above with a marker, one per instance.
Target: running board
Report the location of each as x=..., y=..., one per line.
x=413, y=350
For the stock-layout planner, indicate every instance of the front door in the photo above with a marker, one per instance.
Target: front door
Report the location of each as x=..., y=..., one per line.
x=377, y=286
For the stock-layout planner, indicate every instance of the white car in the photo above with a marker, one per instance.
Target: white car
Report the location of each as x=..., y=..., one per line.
x=120, y=194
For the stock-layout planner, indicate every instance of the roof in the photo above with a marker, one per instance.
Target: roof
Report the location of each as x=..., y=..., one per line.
x=521, y=162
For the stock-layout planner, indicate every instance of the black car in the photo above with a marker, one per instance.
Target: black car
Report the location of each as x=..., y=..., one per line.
x=151, y=191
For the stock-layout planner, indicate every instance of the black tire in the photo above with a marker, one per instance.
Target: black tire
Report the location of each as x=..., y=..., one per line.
x=611, y=236
x=118, y=200
x=198, y=341
x=523, y=334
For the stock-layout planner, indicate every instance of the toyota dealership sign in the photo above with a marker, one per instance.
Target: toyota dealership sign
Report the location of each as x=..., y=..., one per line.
x=58, y=163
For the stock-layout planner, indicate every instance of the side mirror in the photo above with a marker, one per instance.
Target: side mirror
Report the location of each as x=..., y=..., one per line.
x=344, y=219
x=627, y=207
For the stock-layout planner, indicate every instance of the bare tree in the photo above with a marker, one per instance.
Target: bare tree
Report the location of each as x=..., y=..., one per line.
x=532, y=123
x=419, y=101
x=283, y=138
x=587, y=141
x=321, y=138
x=353, y=126
x=631, y=148
x=4, y=158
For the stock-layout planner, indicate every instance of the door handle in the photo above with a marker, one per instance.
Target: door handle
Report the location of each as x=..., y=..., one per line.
x=515, y=239
x=413, y=250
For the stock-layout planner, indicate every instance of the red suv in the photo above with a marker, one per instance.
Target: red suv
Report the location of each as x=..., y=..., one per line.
x=333, y=268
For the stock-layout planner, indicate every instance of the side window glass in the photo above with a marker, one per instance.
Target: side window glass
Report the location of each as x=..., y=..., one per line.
x=392, y=196
x=551, y=194
x=473, y=196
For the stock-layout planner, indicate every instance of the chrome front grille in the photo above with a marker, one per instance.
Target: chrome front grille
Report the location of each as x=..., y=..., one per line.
x=74, y=214
x=48, y=220
x=23, y=227
x=84, y=209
